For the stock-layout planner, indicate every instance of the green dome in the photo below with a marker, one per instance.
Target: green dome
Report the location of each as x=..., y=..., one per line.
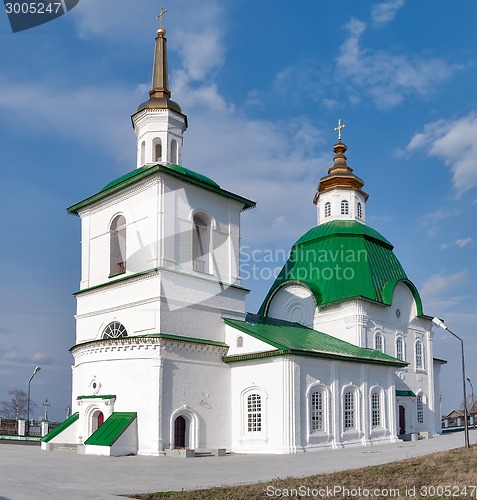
x=343, y=260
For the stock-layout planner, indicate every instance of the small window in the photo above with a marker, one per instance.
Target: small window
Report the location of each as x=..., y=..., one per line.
x=399, y=348
x=201, y=242
x=239, y=341
x=359, y=211
x=419, y=357
x=420, y=409
x=117, y=242
x=327, y=209
x=378, y=342
x=114, y=330
x=349, y=419
x=375, y=409
x=317, y=411
x=254, y=413
x=174, y=151
x=143, y=153
x=157, y=149
x=344, y=207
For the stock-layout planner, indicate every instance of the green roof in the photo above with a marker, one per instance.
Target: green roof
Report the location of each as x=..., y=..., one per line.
x=60, y=428
x=293, y=338
x=138, y=174
x=343, y=260
x=108, y=433
x=402, y=393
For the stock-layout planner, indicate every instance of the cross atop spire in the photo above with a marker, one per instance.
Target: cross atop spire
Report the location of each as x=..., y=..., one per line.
x=160, y=16
x=339, y=127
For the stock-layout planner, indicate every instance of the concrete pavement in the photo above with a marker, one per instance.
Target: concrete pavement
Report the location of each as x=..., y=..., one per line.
x=27, y=473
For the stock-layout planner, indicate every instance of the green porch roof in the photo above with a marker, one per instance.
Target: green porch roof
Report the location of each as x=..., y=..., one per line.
x=293, y=338
x=138, y=174
x=343, y=260
x=405, y=393
x=60, y=428
x=111, y=430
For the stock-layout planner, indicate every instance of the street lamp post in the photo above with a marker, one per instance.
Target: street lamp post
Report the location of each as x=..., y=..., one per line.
x=442, y=325
x=35, y=371
x=472, y=409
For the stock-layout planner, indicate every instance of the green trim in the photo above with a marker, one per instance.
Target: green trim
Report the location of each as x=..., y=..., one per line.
x=293, y=338
x=155, y=270
x=112, y=429
x=146, y=171
x=166, y=336
x=98, y=396
x=57, y=430
x=401, y=393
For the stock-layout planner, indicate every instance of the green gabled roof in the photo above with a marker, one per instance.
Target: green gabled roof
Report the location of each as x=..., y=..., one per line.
x=148, y=170
x=293, y=338
x=343, y=260
x=111, y=430
x=60, y=428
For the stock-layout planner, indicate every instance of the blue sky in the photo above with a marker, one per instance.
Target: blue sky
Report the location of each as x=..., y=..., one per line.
x=263, y=84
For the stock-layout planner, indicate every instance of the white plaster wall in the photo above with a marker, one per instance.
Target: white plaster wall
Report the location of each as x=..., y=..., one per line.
x=250, y=344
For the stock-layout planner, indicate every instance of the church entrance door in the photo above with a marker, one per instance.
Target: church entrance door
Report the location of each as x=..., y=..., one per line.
x=100, y=419
x=180, y=432
x=402, y=420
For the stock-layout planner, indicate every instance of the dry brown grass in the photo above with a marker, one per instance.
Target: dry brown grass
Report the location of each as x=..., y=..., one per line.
x=455, y=469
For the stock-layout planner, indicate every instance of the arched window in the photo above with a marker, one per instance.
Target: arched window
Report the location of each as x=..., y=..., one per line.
x=344, y=207
x=378, y=342
x=240, y=341
x=419, y=356
x=114, y=330
x=359, y=211
x=317, y=412
x=254, y=413
x=201, y=242
x=157, y=150
x=349, y=409
x=143, y=153
x=117, y=246
x=327, y=209
x=420, y=409
x=399, y=348
x=375, y=408
x=174, y=151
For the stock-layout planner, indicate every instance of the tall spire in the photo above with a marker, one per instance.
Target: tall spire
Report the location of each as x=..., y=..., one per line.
x=160, y=79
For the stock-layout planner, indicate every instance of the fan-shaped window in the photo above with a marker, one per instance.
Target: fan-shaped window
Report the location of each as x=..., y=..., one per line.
x=117, y=237
x=359, y=210
x=201, y=241
x=344, y=207
x=399, y=348
x=419, y=356
x=378, y=342
x=327, y=209
x=114, y=330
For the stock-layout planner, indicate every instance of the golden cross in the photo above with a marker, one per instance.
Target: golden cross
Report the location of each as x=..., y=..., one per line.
x=161, y=15
x=339, y=127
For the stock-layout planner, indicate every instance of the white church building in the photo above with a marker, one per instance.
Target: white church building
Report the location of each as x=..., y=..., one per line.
x=166, y=358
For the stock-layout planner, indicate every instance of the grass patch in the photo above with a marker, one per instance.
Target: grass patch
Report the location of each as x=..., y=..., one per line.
x=439, y=475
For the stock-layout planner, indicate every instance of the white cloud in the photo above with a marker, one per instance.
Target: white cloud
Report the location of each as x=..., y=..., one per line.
x=461, y=243
x=455, y=141
x=441, y=284
x=386, y=77
x=431, y=222
x=385, y=12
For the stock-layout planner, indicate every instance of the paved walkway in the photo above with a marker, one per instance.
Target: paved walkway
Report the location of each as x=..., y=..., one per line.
x=27, y=473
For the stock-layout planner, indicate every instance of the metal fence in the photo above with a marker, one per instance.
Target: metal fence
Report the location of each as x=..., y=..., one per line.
x=8, y=426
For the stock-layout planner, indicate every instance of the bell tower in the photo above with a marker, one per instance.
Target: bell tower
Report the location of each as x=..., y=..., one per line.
x=159, y=122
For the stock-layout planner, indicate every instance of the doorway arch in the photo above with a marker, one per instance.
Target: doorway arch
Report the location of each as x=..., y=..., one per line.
x=184, y=428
